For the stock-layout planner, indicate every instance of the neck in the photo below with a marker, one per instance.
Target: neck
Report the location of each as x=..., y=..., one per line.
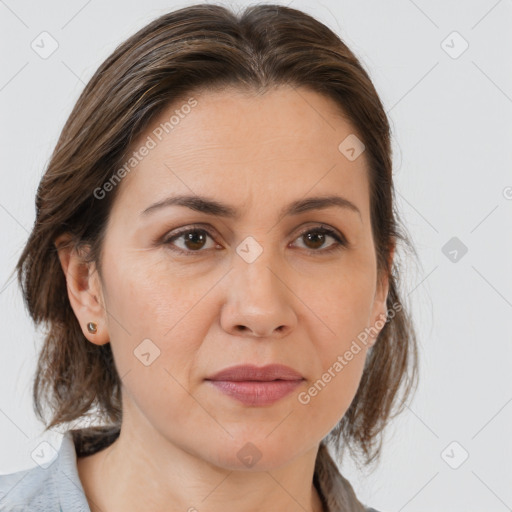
x=149, y=473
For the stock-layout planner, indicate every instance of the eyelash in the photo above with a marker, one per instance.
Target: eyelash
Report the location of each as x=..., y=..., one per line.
x=341, y=241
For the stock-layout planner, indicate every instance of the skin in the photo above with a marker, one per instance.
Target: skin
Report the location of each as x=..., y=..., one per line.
x=180, y=436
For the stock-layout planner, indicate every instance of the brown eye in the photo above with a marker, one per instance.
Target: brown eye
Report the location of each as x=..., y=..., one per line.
x=315, y=239
x=194, y=240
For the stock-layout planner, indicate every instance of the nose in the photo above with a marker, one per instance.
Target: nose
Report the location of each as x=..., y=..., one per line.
x=259, y=301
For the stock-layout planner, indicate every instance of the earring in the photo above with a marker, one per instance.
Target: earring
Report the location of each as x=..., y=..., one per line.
x=92, y=327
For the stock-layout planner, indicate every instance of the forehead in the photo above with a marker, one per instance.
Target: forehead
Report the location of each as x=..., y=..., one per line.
x=238, y=145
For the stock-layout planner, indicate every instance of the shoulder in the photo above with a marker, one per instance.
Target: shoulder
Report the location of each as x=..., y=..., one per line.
x=54, y=486
x=34, y=487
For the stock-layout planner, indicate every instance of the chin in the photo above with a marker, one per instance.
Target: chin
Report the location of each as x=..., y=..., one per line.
x=246, y=453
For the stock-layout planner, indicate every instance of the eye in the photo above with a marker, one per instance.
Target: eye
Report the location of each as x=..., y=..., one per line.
x=193, y=238
x=315, y=238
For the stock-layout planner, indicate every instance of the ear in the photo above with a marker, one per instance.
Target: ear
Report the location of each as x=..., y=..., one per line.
x=380, y=308
x=84, y=290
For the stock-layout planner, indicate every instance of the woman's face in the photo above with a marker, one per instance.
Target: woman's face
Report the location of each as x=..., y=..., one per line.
x=252, y=288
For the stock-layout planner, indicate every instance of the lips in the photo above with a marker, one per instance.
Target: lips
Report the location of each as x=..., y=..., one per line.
x=257, y=386
x=254, y=373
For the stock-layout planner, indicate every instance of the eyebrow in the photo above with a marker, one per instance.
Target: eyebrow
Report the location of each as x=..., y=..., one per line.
x=212, y=207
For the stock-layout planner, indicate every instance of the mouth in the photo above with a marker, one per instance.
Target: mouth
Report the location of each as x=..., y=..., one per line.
x=257, y=386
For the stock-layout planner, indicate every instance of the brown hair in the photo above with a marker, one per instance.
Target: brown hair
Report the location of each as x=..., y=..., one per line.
x=202, y=47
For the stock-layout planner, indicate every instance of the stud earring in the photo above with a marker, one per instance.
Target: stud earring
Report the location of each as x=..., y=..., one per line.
x=92, y=327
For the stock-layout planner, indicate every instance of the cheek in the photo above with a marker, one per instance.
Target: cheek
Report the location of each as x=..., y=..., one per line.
x=344, y=304
x=156, y=328
x=342, y=354
x=154, y=311
x=150, y=296
x=327, y=398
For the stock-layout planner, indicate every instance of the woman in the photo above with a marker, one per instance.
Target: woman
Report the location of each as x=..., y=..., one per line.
x=213, y=255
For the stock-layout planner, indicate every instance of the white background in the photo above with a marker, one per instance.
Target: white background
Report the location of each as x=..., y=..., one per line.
x=452, y=140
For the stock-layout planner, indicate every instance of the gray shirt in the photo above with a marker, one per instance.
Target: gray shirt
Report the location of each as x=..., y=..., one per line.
x=56, y=488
